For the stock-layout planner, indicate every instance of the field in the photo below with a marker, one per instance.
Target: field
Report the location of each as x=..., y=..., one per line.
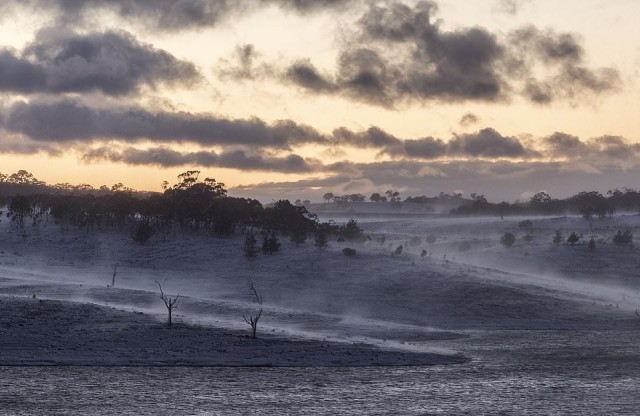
x=425, y=305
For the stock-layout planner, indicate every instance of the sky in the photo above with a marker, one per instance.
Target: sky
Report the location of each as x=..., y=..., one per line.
x=298, y=98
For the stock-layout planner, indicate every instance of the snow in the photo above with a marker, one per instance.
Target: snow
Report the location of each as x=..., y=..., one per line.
x=320, y=307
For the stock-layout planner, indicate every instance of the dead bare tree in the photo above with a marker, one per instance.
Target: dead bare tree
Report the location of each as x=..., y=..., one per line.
x=253, y=317
x=170, y=303
x=115, y=272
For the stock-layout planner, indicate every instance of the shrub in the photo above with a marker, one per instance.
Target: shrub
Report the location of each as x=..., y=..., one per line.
x=526, y=224
x=508, y=240
x=528, y=238
x=349, y=252
x=573, y=238
x=558, y=237
x=623, y=238
x=592, y=244
x=398, y=250
x=142, y=231
x=431, y=238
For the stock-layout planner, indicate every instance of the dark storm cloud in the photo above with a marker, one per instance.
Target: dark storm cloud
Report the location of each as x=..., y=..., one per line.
x=235, y=159
x=114, y=63
x=70, y=120
x=409, y=57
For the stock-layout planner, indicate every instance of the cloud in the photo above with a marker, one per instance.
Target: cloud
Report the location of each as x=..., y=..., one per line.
x=305, y=75
x=511, y=7
x=114, y=63
x=69, y=120
x=486, y=143
x=235, y=159
x=244, y=65
x=250, y=143
x=168, y=15
x=400, y=54
x=489, y=143
x=469, y=119
x=19, y=75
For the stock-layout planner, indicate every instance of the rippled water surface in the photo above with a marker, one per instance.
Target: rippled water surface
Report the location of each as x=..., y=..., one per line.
x=512, y=372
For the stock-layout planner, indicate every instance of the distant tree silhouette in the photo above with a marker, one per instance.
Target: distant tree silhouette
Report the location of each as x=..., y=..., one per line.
x=19, y=209
x=270, y=243
x=250, y=245
x=142, y=231
x=321, y=239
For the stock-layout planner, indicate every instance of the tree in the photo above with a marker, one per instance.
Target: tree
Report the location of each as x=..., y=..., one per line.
x=328, y=196
x=254, y=316
x=170, y=303
x=351, y=231
x=573, y=238
x=142, y=231
x=250, y=245
x=298, y=236
x=508, y=240
x=623, y=238
x=270, y=243
x=115, y=272
x=19, y=208
x=321, y=240
x=375, y=197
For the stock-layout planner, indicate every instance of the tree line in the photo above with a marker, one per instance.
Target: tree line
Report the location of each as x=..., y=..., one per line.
x=191, y=204
x=591, y=204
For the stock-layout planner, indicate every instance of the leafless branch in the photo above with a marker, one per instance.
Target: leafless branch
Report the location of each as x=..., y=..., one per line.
x=253, y=318
x=170, y=303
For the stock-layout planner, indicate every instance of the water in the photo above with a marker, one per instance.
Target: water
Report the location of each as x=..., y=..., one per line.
x=513, y=373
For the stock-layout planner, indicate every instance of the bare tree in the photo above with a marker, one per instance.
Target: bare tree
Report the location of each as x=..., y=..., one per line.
x=115, y=272
x=169, y=302
x=253, y=317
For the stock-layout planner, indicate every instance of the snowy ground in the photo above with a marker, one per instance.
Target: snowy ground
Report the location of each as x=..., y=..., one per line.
x=321, y=307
